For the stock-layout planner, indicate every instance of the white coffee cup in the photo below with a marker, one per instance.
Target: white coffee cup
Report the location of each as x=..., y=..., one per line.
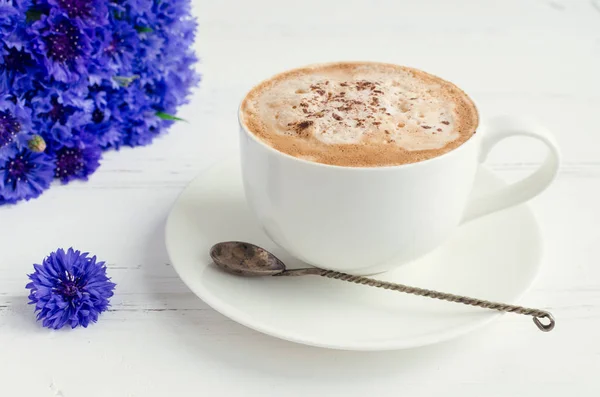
x=369, y=220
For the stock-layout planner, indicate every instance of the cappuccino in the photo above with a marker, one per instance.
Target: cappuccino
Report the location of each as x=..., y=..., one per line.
x=359, y=114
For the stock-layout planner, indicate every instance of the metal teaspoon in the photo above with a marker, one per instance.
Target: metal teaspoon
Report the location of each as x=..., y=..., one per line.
x=245, y=259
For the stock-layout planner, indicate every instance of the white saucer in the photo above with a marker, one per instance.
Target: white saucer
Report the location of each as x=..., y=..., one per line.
x=496, y=257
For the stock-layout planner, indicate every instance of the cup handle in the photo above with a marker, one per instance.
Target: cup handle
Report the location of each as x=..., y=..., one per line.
x=504, y=127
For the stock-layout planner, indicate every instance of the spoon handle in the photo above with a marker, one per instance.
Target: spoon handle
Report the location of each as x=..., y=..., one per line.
x=538, y=315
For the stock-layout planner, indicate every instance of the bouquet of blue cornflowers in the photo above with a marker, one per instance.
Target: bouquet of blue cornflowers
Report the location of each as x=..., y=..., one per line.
x=81, y=76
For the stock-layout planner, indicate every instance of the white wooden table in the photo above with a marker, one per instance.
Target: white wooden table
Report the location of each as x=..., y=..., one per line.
x=540, y=57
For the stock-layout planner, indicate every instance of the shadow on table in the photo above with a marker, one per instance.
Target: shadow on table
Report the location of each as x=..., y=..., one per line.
x=200, y=331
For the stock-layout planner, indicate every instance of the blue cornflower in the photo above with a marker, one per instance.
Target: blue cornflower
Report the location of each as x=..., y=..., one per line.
x=64, y=45
x=118, y=48
x=60, y=112
x=69, y=288
x=78, y=160
x=24, y=175
x=17, y=69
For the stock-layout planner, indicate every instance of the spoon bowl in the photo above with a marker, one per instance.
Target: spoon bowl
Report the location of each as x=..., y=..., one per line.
x=246, y=259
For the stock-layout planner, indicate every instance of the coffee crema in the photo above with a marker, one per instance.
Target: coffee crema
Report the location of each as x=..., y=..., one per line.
x=359, y=114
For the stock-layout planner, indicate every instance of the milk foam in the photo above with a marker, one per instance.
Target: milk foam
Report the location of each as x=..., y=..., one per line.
x=359, y=104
